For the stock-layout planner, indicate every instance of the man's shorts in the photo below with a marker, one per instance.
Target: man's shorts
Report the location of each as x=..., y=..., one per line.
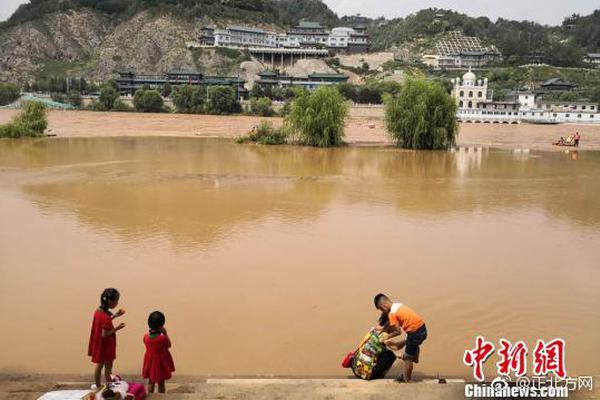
x=413, y=341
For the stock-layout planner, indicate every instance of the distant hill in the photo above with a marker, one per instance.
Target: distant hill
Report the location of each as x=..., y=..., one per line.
x=96, y=38
x=562, y=45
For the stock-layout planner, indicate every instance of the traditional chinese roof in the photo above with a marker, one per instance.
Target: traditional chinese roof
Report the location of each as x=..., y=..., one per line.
x=557, y=82
x=246, y=29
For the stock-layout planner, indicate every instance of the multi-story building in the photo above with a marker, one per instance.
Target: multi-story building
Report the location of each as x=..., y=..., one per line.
x=306, y=35
x=348, y=40
x=456, y=50
x=239, y=36
x=311, y=81
x=129, y=82
x=470, y=92
x=476, y=104
x=593, y=59
x=558, y=85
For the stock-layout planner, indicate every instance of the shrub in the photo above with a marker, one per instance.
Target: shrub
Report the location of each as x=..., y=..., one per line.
x=108, y=95
x=120, y=105
x=422, y=116
x=189, y=99
x=265, y=133
x=8, y=93
x=222, y=100
x=30, y=122
x=261, y=106
x=318, y=117
x=148, y=100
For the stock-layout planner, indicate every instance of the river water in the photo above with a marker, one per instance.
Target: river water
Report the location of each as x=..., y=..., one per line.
x=265, y=260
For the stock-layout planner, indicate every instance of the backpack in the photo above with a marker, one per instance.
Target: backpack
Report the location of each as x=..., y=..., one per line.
x=367, y=355
x=137, y=391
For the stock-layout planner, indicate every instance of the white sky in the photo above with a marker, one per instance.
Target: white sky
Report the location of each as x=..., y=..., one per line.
x=544, y=11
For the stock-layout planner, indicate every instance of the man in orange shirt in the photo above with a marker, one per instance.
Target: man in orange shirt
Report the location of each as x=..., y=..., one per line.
x=402, y=318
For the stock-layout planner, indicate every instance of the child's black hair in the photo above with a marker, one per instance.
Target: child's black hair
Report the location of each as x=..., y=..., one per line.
x=378, y=298
x=156, y=320
x=107, y=296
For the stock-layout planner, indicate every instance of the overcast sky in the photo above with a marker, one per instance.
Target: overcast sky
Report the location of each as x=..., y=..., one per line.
x=544, y=11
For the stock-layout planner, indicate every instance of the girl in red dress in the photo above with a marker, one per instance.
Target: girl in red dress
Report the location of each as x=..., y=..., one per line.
x=158, y=362
x=103, y=340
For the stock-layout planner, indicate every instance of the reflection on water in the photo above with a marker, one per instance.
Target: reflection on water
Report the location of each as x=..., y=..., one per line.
x=260, y=255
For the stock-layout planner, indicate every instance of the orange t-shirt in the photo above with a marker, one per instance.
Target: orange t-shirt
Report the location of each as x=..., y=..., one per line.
x=406, y=317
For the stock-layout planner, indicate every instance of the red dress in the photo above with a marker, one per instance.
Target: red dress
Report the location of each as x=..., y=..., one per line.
x=158, y=362
x=102, y=349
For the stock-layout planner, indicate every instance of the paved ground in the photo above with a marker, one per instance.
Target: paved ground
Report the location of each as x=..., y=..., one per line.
x=31, y=387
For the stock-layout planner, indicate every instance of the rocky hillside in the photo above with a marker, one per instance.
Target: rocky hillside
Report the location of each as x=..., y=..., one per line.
x=72, y=38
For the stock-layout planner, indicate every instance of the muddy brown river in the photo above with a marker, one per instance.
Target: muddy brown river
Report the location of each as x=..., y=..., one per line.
x=265, y=260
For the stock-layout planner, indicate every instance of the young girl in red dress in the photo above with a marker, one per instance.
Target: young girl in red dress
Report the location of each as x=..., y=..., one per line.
x=158, y=362
x=103, y=340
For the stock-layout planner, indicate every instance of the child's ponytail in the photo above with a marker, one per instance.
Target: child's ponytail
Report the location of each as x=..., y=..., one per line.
x=108, y=295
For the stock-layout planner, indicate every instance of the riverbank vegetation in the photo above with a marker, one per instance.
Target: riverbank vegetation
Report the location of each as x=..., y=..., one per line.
x=32, y=121
x=265, y=133
x=148, y=100
x=8, y=93
x=421, y=116
x=317, y=118
x=262, y=106
x=314, y=118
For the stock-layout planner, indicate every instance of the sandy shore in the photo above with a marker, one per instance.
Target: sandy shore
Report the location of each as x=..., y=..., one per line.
x=365, y=125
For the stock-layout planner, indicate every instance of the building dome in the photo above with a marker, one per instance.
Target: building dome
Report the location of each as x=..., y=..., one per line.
x=469, y=78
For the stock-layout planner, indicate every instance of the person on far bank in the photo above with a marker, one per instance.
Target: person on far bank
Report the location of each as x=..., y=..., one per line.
x=103, y=337
x=158, y=362
x=402, y=318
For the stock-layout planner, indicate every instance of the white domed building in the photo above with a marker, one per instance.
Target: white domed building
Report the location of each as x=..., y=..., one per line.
x=469, y=91
x=476, y=104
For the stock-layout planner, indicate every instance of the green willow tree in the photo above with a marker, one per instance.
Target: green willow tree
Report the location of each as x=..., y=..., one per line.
x=422, y=116
x=32, y=121
x=317, y=118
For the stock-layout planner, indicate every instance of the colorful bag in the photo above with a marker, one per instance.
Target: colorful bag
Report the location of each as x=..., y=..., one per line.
x=365, y=357
x=137, y=390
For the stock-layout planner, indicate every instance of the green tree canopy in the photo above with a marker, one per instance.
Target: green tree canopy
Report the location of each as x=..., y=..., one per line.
x=261, y=106
x=189, y=99
x=30, y=122
x=422, y=116
x=222, y=100
x=148, y=101
x=108, y=96
x=318, y=117
x=8, y=93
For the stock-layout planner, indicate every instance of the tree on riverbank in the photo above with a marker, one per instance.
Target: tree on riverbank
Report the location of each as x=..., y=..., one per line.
x=222, y=100
x=8, y=93
x=189, y=99
x=148, y=101
x=261, y=106
x=421, y=116
x=30, y=122
x=317, y=118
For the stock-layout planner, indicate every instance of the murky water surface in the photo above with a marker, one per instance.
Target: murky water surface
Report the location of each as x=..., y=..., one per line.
x=265, y=259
